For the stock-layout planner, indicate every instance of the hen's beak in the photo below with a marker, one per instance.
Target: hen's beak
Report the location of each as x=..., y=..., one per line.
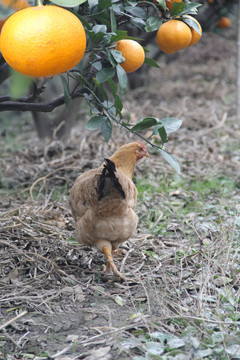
x=146, y=154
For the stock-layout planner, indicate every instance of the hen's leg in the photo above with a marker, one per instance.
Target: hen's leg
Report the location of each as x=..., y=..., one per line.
x=110, y=265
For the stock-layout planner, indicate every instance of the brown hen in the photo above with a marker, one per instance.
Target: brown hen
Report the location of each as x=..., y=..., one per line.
x=102, y=202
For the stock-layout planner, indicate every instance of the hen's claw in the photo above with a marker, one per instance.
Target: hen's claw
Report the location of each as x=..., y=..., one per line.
x=111, y=268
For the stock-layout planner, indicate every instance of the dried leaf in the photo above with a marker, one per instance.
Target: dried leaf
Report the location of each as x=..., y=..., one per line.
x=118, y=300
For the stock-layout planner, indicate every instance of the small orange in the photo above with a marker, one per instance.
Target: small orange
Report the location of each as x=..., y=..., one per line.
x=15, y=4
x=173, y=35
x=195, y=35
x=224, y=22
x=170, y=2
x=133, y=53
x=43, y=40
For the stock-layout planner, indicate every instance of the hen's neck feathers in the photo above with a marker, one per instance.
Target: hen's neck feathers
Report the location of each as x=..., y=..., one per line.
x=124, y=161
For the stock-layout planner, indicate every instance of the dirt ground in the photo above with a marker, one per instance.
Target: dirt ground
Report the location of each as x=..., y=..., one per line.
x=52, y=292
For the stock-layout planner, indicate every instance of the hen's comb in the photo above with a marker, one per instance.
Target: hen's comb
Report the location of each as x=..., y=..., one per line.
x=139, y=142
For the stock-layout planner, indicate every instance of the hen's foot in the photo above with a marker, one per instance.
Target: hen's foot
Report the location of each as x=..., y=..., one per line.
x=111, y=268
x=107, y=270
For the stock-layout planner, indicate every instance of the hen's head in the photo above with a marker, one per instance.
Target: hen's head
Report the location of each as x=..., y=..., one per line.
x=127, y=155
x=140, y=150
x=134, y=150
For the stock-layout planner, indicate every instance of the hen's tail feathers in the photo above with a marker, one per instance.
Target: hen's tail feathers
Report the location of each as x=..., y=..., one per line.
x=108, y=172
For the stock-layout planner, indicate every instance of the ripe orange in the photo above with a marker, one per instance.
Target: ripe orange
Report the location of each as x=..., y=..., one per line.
x=224, y=22
x=170, y=2
x=173, y=35
x=16, y=4
x=195, y=35
x=133, y=53
x=43, y=40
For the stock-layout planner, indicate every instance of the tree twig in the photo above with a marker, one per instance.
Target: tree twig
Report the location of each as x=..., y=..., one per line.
x=13, y=319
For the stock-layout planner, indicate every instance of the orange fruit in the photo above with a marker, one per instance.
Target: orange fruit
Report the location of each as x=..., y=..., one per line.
x=170, y=2
x=195, y=35
x=224, y=22
x=173, y=35
x=43, y=40
x=210, y=1
x=16, y=4
x=133, y=53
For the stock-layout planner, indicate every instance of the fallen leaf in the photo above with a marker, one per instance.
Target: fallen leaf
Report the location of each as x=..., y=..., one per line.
x=118, y=300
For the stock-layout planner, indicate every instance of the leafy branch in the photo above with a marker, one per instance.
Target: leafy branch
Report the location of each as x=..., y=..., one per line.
x=99, y=77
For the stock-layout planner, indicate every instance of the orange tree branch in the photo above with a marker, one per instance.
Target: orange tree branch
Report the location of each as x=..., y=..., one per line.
x=31, y=106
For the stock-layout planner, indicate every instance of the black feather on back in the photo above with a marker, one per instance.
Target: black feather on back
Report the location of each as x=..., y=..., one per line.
x=108, y=172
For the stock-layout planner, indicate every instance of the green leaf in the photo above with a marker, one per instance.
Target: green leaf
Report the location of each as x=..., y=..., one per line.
x=152, y=254
x=145, y=123
x=118, y=103
x=203, y=353
x=66, y=90
x=153, y=23
x=113, y=86
x=104, y=4
x=19, y=84
x=162, y=133
x=107, y=130
x=117, y=7
x=155, y=349
x=151, y=62
x=25, y=355
x=122, y=78
x=107, y=40
x=140, y=23
x=72, y=241
x=101, y=89
x=118, y=300
x=96, y=122
x=162, y=3
x=68, y=3
x=171, y=160
x=171, y=124
x=137, y=12
x=92, y=4
x=233, y=350
x=134, y=316
x=117, y=55
x=104, y=74
x=103, y=18
x=99, y=29
x=193, y=24
x=188, y=8
x=94, y=35
x=113, y=20
x=97, y=65
x=175, y=343
x=122, y=34
x=177, y=8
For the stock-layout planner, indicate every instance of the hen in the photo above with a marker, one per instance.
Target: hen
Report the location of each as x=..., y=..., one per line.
x=102, y=202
